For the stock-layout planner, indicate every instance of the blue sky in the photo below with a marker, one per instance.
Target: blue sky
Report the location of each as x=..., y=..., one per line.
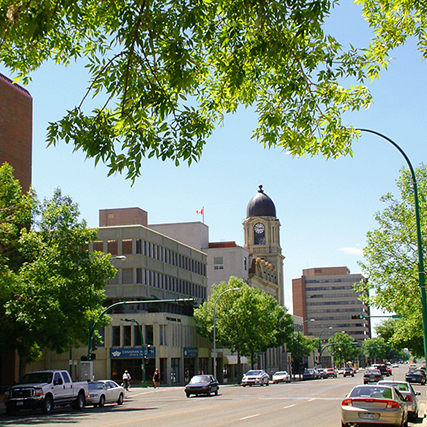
x=325, y=207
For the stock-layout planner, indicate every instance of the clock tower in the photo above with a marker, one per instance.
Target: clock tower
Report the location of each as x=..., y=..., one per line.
x=262, y=239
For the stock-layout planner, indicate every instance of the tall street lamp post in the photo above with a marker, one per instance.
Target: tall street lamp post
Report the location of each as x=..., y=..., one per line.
x=214, y=325
x=320, y=342
x=144, y=380
x=421, y=273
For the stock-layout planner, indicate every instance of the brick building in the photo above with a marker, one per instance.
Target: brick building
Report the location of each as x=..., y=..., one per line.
x=16, y=116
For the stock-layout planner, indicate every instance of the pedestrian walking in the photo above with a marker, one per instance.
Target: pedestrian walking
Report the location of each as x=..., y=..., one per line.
x=126, y=380
x=156, y=378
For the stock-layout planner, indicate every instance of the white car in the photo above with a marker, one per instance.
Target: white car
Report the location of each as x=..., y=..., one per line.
x=281, y=376
x=105, y=391
x=255, y=377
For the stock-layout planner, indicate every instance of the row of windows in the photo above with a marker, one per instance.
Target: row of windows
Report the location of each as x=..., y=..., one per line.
x=351, y=295
x=355, y=302
x=153, y=251
x=161, y=281
x=329, y=288
x=347, y=279
x=130, y=336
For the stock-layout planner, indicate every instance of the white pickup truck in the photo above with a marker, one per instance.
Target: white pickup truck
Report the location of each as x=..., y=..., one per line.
x=44, y=390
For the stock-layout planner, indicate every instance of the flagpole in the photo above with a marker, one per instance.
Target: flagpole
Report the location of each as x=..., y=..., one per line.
x=203, y=215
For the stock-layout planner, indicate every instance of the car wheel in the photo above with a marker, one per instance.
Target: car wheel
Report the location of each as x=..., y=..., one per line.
x=79, y=403
x=188, y=394
x=101, y=402
x=47, y=405
x=216, y=392
x=120, y=399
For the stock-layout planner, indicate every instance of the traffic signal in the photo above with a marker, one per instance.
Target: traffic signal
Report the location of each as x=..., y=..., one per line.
x=358, y=316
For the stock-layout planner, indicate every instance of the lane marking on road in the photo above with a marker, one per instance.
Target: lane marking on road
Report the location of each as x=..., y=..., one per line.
x=290, y=406
x=311, y=400
x=249, y=416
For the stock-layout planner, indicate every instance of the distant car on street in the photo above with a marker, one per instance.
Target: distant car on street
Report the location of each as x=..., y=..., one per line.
x=416, y=376
x=104, y=391
x=348, y=372
x=202, y=384
x=322, y=372
x=281, y=377
x=310, y=374
x=372, y=376
x=255, y=377
x=332, y=372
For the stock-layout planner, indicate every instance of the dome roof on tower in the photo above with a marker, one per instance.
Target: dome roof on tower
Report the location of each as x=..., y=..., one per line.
x=260, y=205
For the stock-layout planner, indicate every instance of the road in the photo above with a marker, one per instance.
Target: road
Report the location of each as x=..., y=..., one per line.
x=299, y=404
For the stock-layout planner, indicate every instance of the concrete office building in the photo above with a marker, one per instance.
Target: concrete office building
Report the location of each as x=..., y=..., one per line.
x=326, y=295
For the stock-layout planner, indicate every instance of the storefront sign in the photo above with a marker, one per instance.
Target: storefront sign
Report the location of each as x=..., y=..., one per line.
x=191, y=352
x=131, y=353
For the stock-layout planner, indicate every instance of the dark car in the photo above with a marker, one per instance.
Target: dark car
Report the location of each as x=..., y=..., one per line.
x=383, y=369
x=348, y=372
x=202, y=384
x=418, y=376
x=372, y=376
x=310, y=374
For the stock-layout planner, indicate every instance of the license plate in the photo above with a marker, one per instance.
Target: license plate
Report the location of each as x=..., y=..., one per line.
x=367, y=416
x=19, y=403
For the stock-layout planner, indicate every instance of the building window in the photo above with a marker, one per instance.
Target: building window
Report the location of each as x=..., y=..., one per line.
x=127, y=247
x=149, y=336
x=175, y=370
x=127, y=335
x=137, y=335
x=218, y=263
x=162, y=335
x=112, y=247
x=139, y=275
x=98, y=246
x=116, y=336
x=138, y=244
x=127, y=276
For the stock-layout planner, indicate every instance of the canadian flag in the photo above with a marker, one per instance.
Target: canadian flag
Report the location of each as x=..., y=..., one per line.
x=200, y=211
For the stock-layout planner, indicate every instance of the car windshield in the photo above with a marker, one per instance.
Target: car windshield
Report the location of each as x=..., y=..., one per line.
x=96, y=386
x=200, y=379
x=37, y=377
x=254, y=373
x=399, y=386
x=308, y=371
x=373, y=392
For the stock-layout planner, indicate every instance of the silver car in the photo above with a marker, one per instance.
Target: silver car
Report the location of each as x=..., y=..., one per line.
x=255, y=377
x=407, y=390
x=281, y=376
x=104, y=391
x=374, y=404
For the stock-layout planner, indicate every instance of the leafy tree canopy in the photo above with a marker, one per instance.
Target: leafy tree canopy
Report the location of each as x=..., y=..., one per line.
x=47, y=300
x=391, y=262
x=342, y=347
x=247, y=321
x=165, y=72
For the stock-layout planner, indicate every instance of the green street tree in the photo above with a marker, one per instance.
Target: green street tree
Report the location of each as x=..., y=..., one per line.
x=374, y=348
x=393, y=22
x=164, y=73
x=342, y=348
x=47, y=300
x=391, y=262
x=300, y=346
x=248, y=321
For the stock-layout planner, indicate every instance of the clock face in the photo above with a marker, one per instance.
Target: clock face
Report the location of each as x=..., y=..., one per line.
x=259, y=228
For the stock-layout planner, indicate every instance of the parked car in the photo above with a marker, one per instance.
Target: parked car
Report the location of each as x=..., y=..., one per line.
x=332, y=372
x=373, y=404
x=411, y=396
x=348, y=372
x=255, y=377
x=372, y=375
x=105, y=391
x=202, y=384
x=44, y=390
x=281, y=377
x=418, y=376
x=310, y=374
x=322, y=373
x=383, y=369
